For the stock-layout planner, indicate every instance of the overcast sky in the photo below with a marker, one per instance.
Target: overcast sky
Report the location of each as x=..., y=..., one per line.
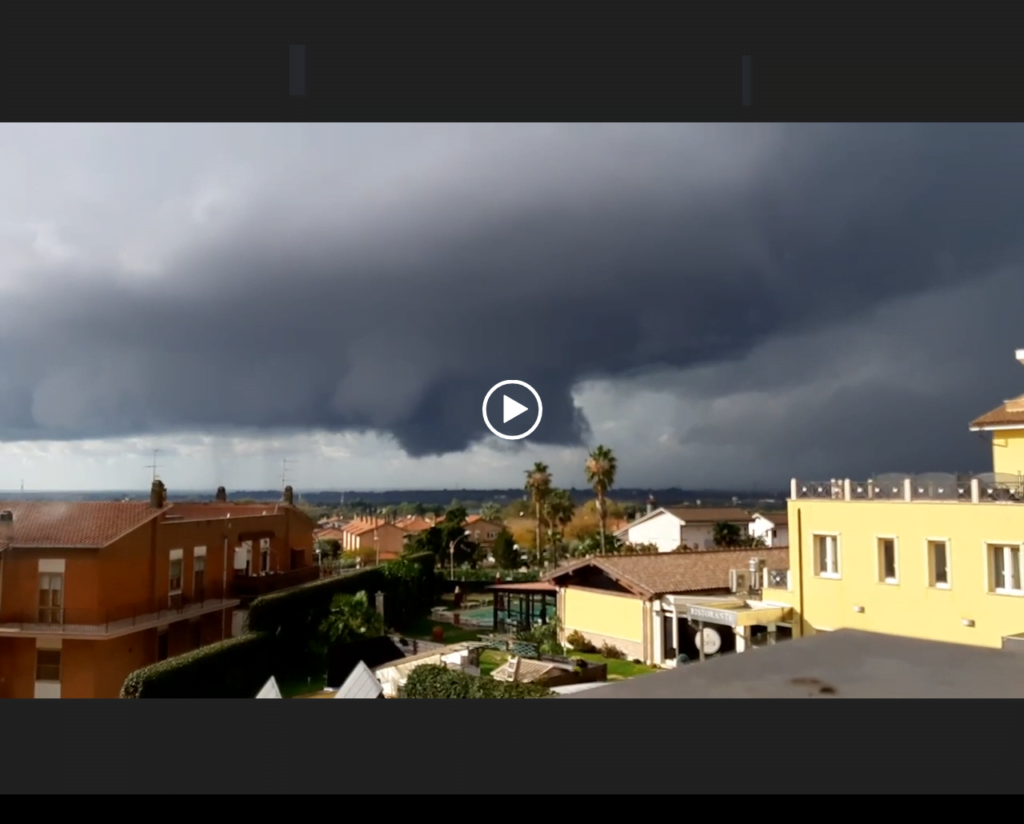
x=724, y=306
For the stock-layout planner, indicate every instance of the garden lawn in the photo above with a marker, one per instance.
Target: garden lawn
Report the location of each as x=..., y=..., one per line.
x=617, y=670
x=297, y=685
x=423, y=630
x=490, y=660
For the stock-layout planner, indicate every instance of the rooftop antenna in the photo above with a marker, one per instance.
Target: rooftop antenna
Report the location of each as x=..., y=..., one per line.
x=154, y=466
x=284, y=471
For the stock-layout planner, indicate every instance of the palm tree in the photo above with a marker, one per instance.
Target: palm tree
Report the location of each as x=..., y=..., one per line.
x=726, y=534
x=600, y=469
x=490, y=512
x=559, y=510
x=538, y=486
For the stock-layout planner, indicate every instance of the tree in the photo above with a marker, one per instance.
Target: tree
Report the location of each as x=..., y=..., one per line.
x=600, y=470
x=329, y=548
x=538, y=487
x=559, y=510
x=491, y=512
x=438, y=540
x=725, y=534
x=505, y=554
x=351, y=618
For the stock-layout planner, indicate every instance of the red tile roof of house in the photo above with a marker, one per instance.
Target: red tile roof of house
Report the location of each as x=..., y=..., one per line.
x=1011, y=413
x=210, y=511
x=676, y=572
x=74, y=523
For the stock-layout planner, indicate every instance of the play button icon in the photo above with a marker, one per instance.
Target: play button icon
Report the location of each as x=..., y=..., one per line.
x=511, y=408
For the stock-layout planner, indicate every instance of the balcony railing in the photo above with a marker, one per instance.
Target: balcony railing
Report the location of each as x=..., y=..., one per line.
x=104, y=621
x=253, y=586
x=930, y=486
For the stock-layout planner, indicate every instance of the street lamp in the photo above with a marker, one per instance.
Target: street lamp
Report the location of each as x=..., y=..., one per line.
x=451, y=554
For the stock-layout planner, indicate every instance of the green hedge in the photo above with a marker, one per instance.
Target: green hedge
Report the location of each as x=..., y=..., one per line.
x=281, y=626
x=409, y=585
x=236, y=668
x=436, y=681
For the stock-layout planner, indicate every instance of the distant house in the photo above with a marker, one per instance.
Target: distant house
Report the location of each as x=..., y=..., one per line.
x=668, y=528
x=385, y=540
x=772, y=527
x=482, y=532
x=640, y=603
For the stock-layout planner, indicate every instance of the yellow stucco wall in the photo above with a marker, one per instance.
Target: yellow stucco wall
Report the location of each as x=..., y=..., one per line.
x=606, y=614
x=910, y=607
x=1008, y=452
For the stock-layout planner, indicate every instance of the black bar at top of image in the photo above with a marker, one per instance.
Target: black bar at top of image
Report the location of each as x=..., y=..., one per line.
x=805, y=746
x=501, y=61
x=297, y=71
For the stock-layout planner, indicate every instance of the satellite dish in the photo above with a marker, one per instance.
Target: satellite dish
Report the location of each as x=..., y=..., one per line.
x=708, y=640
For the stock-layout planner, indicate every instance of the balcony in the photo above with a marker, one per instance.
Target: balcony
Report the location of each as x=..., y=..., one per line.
x=989, y=487
x=115, y=621
x=246, y=587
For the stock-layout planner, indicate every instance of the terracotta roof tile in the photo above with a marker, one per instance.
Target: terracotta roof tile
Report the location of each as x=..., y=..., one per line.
x=708, y=515
x=777, y=518
x=678, y=572
x=74, y=523
x=1010, y=413
x=204, y=512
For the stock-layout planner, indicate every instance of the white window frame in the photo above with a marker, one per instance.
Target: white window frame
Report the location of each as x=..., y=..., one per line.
x=880, y=559
x=929, y=556
x=179, y=556
x=837, y=556
x=1008, y=547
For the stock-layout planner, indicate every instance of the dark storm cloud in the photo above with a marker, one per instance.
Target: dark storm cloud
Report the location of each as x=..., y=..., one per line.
x=366, y=295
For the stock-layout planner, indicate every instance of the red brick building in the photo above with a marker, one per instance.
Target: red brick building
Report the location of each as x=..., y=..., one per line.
x=91, y=591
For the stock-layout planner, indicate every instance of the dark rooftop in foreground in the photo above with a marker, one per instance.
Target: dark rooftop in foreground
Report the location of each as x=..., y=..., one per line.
x=841, y=664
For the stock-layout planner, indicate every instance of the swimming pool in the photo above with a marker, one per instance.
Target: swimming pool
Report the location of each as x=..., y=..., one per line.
x=485, y=615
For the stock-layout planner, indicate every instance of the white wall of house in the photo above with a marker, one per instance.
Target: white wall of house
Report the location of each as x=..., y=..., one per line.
x=662, y=530
x=698, y=535
x=773, y=535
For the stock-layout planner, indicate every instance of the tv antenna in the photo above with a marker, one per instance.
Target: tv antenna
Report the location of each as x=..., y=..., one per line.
x=154, y=466
x=285, y=466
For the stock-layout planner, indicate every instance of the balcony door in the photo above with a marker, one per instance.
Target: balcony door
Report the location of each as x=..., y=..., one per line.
x=51, y=598
x=199, y=578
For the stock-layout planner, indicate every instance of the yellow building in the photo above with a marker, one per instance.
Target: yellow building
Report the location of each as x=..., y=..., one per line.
x=935, y=556
x=643, y=604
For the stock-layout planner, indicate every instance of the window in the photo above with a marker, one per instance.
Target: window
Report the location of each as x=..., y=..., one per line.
x=1004, y=561
x=826, y=556
x=887, y=571
x=938, y=564
x=51, y=598
x=198, y=576
x=48, y=665
x=174, y=584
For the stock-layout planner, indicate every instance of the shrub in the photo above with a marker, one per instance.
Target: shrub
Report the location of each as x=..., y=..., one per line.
x=611, y=652
x=236, y=668
x=578, y=641
x=434, y=681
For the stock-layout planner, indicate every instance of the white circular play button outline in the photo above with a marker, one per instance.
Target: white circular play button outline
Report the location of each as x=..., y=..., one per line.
x=540, y=410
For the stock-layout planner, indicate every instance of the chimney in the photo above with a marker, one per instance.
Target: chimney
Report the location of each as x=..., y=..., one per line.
x=651, y=504
x=158, y=495
x=222, y=495
x=289, y=496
